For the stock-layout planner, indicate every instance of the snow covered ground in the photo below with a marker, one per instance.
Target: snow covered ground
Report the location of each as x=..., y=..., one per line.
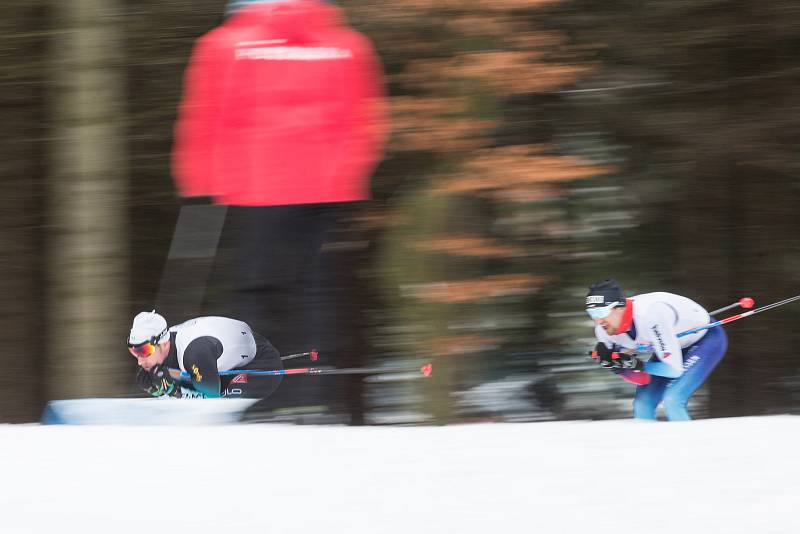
x=715, y=476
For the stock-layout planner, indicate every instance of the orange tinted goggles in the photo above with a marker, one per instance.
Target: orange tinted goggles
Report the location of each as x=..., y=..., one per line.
x=146, y=348
x=143, y=350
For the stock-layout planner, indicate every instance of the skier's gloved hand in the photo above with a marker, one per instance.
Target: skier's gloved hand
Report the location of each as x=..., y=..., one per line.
x=157, y=382
x=631, y=362
x=607, y=358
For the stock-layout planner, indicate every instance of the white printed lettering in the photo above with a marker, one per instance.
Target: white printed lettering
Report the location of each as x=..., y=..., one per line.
x=660, y=340
x=293, y=53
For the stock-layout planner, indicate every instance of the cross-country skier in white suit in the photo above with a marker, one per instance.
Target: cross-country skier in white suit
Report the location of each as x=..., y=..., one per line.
x=201, y=348
x=677, y=366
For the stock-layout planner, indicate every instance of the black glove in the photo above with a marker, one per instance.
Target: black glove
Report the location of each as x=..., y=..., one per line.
x=631, y=363
x=608, y=358
x=157, y=382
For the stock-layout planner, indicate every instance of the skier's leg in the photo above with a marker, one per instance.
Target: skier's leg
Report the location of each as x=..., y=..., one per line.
x=698, y=363
x=255, y=386
x=647, y=398
x=247, y=386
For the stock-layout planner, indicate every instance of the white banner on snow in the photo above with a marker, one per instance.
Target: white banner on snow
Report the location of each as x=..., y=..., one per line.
x=155, y=411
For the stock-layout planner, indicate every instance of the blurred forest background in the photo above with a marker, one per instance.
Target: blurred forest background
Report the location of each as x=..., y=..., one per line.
x=537, y=145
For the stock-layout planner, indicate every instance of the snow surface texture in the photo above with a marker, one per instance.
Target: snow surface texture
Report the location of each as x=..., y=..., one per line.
x=723, y=476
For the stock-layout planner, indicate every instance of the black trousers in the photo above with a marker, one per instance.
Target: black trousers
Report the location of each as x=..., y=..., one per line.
x=295, y=280
x=255, y=386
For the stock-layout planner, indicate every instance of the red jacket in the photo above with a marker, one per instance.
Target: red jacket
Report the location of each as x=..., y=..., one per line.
x=282, y=104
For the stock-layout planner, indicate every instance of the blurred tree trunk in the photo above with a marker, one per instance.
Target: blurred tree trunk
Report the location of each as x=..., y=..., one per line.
x=88, y=210
x=22, y=170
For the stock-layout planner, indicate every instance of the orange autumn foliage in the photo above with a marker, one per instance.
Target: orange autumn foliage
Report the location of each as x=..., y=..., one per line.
x=483, y=288
x=468, y=246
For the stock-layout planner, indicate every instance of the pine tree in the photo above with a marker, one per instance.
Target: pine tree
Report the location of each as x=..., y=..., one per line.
x=476, y=210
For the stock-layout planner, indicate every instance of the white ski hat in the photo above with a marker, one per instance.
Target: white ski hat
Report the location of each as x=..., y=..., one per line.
x=148, y=326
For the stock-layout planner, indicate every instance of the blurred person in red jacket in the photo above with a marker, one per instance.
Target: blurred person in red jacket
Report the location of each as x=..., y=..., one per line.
x=283, y=104
x=283, y=118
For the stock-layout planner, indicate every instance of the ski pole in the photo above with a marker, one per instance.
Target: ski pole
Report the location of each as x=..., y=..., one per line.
x=745, y=303
x=312, y=354
x=425, y=370
x=727, y=320
x=738, y=316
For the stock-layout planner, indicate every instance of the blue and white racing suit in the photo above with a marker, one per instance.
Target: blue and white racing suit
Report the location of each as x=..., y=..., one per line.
x=679, y=366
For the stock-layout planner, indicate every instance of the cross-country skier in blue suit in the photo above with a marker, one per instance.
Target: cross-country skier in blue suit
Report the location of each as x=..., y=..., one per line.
x=677, y=366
